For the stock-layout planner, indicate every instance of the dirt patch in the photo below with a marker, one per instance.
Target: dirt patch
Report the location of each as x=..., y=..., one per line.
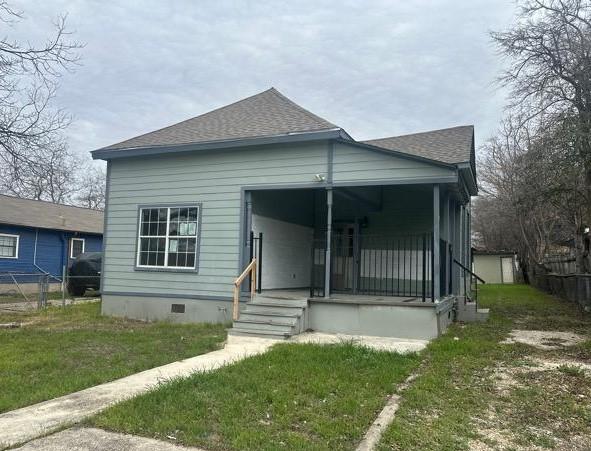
x=523, y=400
x=577, y=443
x=562, y=363
x=542, y=339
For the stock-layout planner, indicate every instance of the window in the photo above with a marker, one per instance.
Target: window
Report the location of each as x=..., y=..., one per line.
x=8, y=246
x=167, y=237
x=76, y=247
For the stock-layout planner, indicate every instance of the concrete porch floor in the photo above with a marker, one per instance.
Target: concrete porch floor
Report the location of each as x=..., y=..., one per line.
x=344, y=298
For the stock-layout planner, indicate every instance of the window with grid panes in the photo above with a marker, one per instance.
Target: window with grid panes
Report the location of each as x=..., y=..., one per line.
x=167, y=237
x=8, y=246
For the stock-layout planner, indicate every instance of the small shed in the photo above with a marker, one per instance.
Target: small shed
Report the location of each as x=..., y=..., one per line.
x=495, y=266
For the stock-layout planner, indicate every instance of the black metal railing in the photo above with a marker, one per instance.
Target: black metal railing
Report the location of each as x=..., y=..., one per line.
x=375, y=265
x=256, y=251
x=318, y=275
x=472, y=278
x=446, y=267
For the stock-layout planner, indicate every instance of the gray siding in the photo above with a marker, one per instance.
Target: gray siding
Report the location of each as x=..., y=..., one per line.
x=358, y=164
x=213, y=179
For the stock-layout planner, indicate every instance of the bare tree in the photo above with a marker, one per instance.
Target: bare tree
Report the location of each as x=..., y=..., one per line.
x=91, y=188
x=46, y=174
x=534, y=197
x=549, y=55
x=34, y=160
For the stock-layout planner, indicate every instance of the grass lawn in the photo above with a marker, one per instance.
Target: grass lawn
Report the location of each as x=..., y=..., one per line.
x=472, y=392
x=296, y=396
x=475, y=392
x=60, y=351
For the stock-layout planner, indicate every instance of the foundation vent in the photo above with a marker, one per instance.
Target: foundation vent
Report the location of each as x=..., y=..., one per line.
x=177, y=308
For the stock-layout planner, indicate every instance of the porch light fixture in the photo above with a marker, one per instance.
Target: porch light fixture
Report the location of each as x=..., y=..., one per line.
x=319, y=177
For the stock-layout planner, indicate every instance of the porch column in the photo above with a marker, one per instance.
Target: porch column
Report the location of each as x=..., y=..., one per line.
x=328, y=242
x=436, y=253
x=469, y=233
x=247, y=228
x=448, y=262
x=462, y=246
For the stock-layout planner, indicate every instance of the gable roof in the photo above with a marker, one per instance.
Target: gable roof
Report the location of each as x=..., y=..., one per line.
x=47, y=215
x=449, y=145
x=268, y=113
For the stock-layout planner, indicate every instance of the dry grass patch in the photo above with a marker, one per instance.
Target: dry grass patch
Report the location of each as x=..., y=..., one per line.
x=484, y=392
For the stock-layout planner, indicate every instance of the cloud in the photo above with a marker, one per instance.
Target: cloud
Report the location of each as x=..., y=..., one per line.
x=376, y=68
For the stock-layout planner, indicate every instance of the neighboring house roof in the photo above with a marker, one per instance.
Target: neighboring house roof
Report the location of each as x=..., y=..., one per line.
x=47, y=215
x=269, y=113
x=448, y=145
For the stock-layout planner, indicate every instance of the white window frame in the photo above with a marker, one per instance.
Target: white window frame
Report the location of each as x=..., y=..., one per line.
x=167, y=238
x=17, y=244
x=72, y=245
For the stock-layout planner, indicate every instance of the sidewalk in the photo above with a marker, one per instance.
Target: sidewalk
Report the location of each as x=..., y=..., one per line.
x=27, y=423
x=91, y=439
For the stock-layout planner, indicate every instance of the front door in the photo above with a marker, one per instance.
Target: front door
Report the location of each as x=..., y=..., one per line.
x=345, y=265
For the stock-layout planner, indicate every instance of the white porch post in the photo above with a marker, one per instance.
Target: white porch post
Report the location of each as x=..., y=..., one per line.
x=436, y=254
x=328, y=242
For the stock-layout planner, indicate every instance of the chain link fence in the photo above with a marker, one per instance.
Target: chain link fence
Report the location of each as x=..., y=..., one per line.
x=30, y=291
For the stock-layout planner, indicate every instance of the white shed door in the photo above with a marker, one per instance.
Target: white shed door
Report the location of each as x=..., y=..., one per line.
x=507, y=268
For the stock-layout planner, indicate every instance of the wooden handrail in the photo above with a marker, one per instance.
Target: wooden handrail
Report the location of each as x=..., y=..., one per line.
x=252, y=270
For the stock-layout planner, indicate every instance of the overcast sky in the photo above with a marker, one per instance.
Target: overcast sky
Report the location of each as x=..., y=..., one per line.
x=375, y=68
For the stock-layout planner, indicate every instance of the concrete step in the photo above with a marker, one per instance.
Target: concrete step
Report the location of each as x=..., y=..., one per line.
x=482, y=314
x=260, y=299
x=264, y=325
x=271, y=317
x=244, y=332
x=274, y=308
x=469, y=313
x=291, y=318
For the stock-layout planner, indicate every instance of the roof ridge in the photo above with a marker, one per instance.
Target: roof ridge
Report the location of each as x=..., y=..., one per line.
x=193, y=117
x=420, y=133
x=51, y=203
x=299, y=107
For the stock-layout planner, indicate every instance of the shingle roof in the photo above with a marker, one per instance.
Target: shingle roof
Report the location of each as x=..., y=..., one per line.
x=449, y=145
x=266, y=114
x=271, y=114
x=47, y=215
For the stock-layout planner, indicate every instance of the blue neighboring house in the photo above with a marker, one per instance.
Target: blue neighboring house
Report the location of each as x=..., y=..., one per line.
x=42, y=237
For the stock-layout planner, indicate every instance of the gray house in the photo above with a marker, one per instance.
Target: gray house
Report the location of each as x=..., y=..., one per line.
x=347, y=236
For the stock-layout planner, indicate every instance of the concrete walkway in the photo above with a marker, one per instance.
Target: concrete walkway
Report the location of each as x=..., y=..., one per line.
x=91, y=439
x=22, y=425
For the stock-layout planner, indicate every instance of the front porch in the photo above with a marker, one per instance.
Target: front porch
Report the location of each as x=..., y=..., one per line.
x=340, y=298
x=367, y=260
